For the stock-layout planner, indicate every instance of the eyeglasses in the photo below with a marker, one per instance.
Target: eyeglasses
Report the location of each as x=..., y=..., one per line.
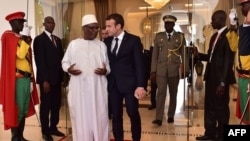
x=93, y=27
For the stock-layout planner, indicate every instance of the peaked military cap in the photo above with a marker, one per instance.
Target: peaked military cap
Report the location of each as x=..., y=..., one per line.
x=243, y=1
x=15, y=15
x=169, y=18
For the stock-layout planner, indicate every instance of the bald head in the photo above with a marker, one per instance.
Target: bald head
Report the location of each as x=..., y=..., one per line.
x=49, y=24
x=219, y=18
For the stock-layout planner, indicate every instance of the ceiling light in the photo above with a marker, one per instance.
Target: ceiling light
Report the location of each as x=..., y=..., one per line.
x=147, y=24
x=195, y=4
x=144, y=7
x=158, y=4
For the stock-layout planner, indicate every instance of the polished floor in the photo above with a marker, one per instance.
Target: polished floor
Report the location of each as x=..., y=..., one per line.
x=188, y=119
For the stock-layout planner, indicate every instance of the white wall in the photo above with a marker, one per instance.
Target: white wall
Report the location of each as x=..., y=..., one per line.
x=10, y=6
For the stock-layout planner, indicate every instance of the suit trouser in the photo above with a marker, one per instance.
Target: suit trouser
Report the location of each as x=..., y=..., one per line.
x=131, y=104
x=50, y=107
x=162, y=83
x=216, y=109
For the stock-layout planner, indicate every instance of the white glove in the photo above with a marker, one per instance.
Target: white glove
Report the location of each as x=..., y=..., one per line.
x=31, y=87
x=26, y=30
x=233, y=16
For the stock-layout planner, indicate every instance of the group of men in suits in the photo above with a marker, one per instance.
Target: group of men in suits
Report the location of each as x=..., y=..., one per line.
x=126, y=80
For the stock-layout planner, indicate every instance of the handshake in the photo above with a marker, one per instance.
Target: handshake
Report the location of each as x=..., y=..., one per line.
x=26, y=34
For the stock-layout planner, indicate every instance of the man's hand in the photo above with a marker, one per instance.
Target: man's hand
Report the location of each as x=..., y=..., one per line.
x=26, y=34
x=140, y=93
x=26, y=30
x=101, y=71
x=194, y=51
x=73, y=71
x=220, y=90
x=233, y=16
x=46, y=87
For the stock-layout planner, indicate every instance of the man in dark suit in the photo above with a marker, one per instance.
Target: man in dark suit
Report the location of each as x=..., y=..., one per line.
x=218, y=76
x=48, y=53
x=127, y=77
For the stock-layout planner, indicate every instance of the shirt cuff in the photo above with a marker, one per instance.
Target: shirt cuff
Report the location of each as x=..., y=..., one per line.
x=222, y=83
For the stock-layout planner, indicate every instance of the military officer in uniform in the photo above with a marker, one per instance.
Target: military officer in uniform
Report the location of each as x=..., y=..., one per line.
x=167, y=66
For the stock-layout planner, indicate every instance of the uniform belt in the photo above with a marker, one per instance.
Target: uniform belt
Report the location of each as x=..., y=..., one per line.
x=243, y=71
x=24, y=73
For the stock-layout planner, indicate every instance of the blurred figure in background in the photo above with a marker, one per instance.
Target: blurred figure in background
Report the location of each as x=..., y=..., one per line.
x=104, y=33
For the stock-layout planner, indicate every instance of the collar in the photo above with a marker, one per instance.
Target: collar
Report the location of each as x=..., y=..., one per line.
x=222, y=29
x=170, y=33
x=48, y=33
x=120, y=37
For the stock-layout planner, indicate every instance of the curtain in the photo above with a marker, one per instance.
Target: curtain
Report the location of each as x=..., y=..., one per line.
x=67, y=21
x=101, y=9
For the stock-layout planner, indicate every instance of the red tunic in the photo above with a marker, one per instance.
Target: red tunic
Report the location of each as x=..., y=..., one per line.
x=7, y=81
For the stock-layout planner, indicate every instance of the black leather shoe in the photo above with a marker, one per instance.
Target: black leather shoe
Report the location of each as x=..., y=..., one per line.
x=158, y=122
x=151, y=107
x=47, y=137
x=202, y=138
x=170, y=120
x=57, y=133
x=219, y=139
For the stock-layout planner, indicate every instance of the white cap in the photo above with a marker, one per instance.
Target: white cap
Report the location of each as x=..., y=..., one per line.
x=88, y=19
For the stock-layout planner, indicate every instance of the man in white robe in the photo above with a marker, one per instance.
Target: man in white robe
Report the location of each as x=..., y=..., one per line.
x=87, y=63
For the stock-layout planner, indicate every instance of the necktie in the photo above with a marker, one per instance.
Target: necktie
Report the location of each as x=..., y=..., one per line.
x=215, y=41
x=169, y=36
x=115, y=47
x=53, y=40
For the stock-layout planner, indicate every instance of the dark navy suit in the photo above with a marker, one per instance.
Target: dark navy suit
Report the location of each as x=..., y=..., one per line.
x=48, y=61
x=127, y=73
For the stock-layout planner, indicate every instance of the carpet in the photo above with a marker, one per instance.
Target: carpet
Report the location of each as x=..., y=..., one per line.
x=124, y=140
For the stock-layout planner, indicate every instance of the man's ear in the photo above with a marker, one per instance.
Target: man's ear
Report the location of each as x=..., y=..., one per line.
x=119, y=26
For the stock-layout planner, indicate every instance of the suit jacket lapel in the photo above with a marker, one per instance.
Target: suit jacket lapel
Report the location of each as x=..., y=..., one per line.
x=123, y=43
x=217, y=44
